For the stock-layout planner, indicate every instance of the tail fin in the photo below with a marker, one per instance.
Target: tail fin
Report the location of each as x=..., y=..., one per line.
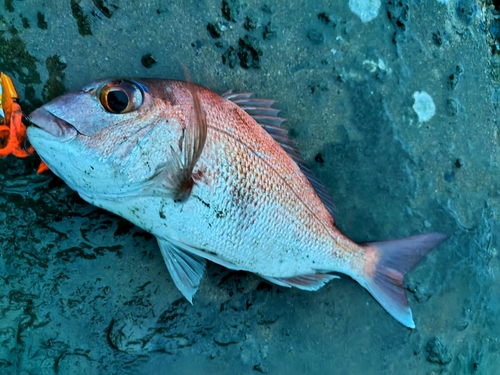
x=392, y=260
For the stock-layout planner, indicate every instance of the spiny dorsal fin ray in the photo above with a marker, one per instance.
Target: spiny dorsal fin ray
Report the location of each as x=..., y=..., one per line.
x=268, y=120
x=257, y=110
x=260, y=110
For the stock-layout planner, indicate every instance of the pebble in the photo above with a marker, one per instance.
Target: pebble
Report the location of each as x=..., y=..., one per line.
x=424, y=106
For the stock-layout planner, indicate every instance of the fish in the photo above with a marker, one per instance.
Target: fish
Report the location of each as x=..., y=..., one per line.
x=214, y=178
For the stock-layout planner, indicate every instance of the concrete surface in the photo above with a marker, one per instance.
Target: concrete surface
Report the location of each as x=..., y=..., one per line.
x=84, y=292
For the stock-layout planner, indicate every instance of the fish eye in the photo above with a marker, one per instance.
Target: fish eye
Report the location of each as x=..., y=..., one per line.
x=120, y=96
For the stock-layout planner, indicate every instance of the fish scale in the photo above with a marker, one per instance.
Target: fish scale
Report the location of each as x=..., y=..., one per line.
x=277, y=195
x=213, y=182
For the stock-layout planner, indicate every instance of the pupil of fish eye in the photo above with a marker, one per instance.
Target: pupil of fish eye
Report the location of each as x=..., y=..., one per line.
x=117, y=101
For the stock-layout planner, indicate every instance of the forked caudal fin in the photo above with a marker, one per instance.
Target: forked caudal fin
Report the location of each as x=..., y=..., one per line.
x=387, y=264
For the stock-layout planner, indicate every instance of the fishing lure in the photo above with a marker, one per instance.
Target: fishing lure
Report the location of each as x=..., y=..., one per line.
x=12, y=129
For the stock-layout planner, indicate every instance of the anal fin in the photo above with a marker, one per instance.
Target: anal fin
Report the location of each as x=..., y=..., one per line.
x=185, y=268
x=306, y=282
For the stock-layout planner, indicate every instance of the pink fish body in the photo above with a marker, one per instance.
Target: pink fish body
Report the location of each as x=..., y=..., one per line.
x=213, y=178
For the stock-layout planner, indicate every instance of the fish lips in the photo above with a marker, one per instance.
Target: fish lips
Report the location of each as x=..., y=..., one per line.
x=53, y=125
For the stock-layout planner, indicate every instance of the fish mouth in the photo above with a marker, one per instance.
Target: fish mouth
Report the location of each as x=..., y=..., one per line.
x=55, y=126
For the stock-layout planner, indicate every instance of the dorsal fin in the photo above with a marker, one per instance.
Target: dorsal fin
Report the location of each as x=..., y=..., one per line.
x=266, y=116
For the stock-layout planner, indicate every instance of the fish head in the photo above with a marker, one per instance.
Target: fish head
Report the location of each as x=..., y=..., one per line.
x=111, y=138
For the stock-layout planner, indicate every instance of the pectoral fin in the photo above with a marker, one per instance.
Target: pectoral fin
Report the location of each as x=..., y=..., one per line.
x=185, y=268
x=176, y=177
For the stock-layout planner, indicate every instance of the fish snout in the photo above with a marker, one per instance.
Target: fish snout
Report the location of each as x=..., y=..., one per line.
x=55, y=126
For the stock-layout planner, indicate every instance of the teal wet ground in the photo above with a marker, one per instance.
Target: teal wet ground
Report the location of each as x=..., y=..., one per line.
x=84, y=292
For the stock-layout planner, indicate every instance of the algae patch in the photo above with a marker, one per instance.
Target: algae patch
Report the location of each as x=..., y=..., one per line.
x=15, y=58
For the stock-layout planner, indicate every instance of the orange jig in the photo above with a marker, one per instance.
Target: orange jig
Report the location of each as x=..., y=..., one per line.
x=12, y=129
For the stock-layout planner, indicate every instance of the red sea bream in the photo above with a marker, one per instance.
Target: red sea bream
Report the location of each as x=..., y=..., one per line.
x=213, y=177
